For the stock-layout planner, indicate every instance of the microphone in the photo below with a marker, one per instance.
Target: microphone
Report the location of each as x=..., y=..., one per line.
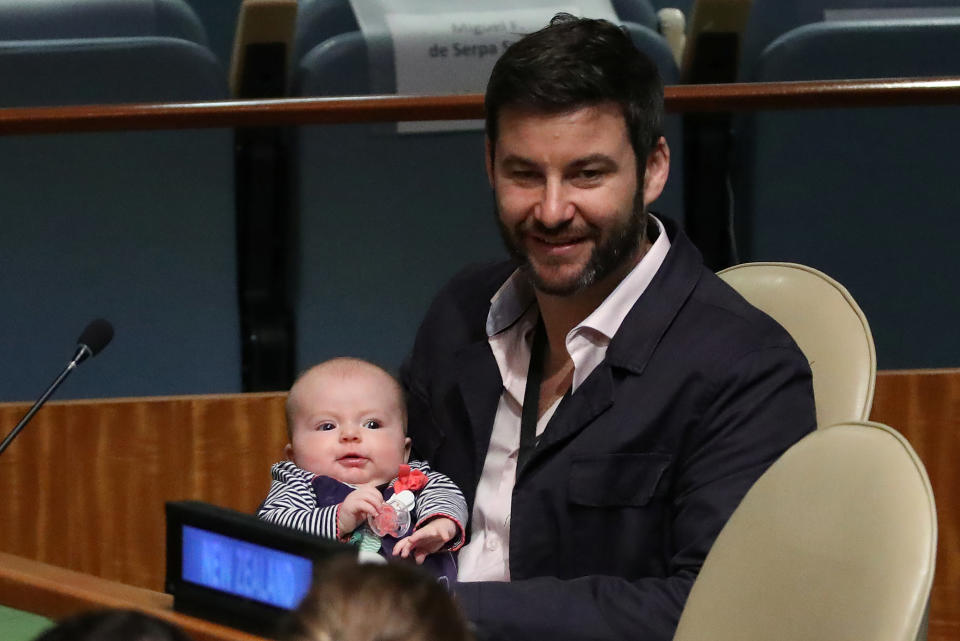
x=93, y=339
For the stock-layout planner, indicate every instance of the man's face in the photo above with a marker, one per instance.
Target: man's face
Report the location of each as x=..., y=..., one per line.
x=567, y=195
x=348, y=425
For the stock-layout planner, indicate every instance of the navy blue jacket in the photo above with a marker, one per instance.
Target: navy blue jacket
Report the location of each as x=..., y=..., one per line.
x=636, y=472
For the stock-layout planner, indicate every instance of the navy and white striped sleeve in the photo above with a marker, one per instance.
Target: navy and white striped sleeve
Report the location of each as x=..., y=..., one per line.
x=292, y=503
x=441, y=497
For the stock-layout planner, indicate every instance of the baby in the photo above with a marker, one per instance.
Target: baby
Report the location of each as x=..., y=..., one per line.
x=346, y=420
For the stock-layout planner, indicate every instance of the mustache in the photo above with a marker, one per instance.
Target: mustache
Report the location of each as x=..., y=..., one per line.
x=562, y=230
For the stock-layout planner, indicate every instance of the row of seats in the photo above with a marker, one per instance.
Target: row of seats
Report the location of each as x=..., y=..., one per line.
x=819, y=187
x=866, y=195
x=137, y=227
x=140, y=227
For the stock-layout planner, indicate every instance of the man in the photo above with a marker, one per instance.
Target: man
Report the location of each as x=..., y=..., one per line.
x=661, y=395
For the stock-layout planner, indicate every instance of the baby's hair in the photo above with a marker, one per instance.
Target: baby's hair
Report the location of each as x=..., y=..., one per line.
x=345, y=366
x=373, y=602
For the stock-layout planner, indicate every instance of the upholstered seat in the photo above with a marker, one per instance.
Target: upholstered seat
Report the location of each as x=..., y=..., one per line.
x=828, y=326
x=836, y=541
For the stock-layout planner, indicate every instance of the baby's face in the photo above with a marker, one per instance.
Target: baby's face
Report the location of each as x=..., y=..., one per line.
x=348, y=425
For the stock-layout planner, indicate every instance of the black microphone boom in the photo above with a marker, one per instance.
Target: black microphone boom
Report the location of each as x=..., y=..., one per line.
x=94, y=338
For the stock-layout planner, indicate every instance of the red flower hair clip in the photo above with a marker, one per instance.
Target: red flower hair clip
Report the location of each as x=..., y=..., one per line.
x=408, y=479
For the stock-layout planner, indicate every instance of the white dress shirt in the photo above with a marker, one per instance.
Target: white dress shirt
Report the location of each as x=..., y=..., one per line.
x=510, y=324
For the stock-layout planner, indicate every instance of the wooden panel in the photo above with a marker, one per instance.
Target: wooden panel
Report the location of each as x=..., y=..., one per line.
x=924, y=406
x=56, y=593
x=353, y=109
x=86, y=481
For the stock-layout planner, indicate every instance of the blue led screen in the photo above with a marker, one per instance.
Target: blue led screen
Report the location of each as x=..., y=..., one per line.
x=245, y=569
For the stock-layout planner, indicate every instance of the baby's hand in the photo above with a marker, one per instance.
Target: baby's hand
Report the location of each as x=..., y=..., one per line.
x=359, y=504
x=426, y=540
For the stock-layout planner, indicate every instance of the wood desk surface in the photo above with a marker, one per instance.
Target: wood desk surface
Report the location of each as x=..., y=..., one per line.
x=56, y=592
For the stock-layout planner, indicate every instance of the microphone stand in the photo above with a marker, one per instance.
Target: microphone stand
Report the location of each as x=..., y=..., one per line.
x=82, y=352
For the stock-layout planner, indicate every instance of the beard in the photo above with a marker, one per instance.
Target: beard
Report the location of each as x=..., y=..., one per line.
x=613, y=247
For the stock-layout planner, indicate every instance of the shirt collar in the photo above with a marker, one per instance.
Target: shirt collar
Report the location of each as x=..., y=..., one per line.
x=509, y=303
x=607, y=318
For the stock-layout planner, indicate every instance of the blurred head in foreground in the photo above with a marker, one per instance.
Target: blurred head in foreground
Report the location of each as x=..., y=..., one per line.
x=366, y=602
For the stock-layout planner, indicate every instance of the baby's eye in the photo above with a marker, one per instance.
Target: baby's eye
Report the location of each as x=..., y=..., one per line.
x=325, y=427
x=373, y=424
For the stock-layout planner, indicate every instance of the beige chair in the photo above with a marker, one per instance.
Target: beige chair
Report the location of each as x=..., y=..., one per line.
x=835, y=542
x=826, y=323
x=269, y=26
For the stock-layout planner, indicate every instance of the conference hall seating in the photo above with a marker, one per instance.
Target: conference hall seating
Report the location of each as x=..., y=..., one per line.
x=137, y=227
x=770, y=19
x=867, y=195
x=131, y=439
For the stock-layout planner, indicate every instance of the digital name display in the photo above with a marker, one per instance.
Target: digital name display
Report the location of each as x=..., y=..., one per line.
x=244, y=569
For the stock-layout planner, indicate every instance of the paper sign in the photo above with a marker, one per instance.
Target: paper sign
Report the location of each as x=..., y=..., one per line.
x=443, y=51
x=454, y=53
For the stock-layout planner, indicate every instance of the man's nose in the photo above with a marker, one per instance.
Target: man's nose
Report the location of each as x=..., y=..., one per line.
x=555, y=207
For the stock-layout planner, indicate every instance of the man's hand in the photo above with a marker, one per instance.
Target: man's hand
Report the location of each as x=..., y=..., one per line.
x=427, y=539
x=359, y=504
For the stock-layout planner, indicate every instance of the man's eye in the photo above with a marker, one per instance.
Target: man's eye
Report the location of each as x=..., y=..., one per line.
x=589, y=174
x=325, y=427
x=373, y=424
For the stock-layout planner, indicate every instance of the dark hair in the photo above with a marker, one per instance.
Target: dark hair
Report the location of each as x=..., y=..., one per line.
x=577, y=62
x=371, y=602
x=113, y=625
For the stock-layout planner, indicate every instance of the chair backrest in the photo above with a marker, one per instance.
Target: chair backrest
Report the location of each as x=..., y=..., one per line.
x=65, y=19
x=384, y=219
x=219, y=20
x=867, y=195
x=137, y=227
x=770, y=19
x=828, y=326
x=837, y=540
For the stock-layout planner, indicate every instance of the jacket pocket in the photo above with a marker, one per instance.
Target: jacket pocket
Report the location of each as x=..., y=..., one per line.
x=610, y=480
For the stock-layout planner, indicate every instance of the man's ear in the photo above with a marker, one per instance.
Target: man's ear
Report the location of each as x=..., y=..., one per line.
x=288, y=451
x=656, y=172
x=406, y=449
x=488, y=158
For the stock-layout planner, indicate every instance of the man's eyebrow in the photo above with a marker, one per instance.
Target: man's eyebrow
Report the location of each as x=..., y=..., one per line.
x=514, y=159
x=594, y=158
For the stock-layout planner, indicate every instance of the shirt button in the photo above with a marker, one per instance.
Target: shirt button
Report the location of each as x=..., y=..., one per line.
x=492, y=544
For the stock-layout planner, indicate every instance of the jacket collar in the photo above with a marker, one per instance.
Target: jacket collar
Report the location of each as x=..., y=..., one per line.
x=651, y=316
x=478, y=377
